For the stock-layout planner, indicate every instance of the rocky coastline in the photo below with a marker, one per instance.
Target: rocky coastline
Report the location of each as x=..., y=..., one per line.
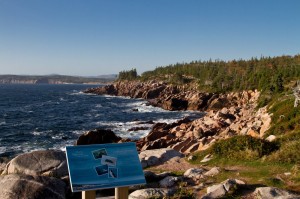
x=43, y=174
x=226, y=115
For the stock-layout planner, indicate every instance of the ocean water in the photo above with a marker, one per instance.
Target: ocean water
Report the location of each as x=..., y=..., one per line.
x=35, y=117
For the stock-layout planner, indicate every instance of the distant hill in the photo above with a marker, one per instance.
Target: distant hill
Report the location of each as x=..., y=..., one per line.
x=55, y=79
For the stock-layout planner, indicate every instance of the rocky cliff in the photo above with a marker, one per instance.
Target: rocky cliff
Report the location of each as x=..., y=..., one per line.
x=226, y=115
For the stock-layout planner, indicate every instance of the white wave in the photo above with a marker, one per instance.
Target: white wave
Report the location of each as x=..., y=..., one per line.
x=98, y=106
x=144, y=108
x=112, y=96
x=168, y=121
x=56, y=137
x=62, y=99
x=79, y=93
x=78, y=132
x=122, y=128
x=36, y=133
x=2, y=149
x=2, y=123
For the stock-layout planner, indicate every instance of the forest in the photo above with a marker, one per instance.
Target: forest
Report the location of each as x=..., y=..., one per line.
x=267, y=74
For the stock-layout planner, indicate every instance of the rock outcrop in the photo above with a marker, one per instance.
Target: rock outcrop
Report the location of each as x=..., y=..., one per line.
x=44, y=163
x=157, y=156
x=15, y=186
x=98, y=136
x=272, y=192
x=150, y=193
x=227, y=115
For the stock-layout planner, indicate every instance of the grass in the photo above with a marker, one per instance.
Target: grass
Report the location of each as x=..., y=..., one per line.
x=258, y=172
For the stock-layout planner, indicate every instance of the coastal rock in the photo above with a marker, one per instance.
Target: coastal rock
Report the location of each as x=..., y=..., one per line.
x=168, y=181
x=194, y=173
x=272, y=192
x=213, y=171
x=175, y=104
x=15, y=186
x=151, y=193
x=45, y=163
x=157, y=156
x=220, y=190
x=98, y=136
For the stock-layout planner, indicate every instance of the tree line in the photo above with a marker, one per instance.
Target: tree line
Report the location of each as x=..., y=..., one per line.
x=266, y=74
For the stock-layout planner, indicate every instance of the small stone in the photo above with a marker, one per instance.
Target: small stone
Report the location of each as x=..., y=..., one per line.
x=191, y=157
x=271, y=138
x=207, y=158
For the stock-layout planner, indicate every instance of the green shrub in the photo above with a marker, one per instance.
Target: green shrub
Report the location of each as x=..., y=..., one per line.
x=243, y=148
x=288, y=153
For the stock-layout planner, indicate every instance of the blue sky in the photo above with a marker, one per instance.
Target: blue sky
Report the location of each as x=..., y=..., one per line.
x=93, y=37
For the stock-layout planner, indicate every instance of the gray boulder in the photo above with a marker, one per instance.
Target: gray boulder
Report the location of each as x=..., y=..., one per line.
x=272, y=192
x=194, y=173
x=151, y=193
x=15, y=186
x=45, y=163
x=220, y=190
x=169, y=181
x=157, y=156
x=213, y=171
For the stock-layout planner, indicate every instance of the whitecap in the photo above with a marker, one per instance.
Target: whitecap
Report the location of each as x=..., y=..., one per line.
x=113, y=96
x=78, y=132
x=98, y=106
x=2, y=149
x=36, y=133
x=2, y=123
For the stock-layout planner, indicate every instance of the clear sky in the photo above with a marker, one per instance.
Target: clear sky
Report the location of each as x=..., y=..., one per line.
x=94, y=37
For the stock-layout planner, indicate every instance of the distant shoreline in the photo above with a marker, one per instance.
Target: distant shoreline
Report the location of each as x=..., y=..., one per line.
x=55, y=79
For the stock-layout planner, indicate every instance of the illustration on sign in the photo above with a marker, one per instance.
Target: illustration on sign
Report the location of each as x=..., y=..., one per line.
x=102, y=166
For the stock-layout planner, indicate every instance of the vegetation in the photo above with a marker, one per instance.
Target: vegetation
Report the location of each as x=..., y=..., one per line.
x=266, y=74
x=128, y=75
x=255, y=161
x=243, y=148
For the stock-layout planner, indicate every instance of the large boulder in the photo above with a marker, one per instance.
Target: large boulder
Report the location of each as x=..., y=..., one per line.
x=15, y=186
x=45, y=163
x=98, y=136
x=168, y=181
x=150, y=193
x=272, y=192
x=175, y=104
x=157, y=156
x=220, y=190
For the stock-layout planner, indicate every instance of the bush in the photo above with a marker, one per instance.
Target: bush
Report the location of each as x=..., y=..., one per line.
x=243, y=148
x=288, y=153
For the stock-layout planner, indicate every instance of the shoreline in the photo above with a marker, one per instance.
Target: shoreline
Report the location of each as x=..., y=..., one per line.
x=226, y=115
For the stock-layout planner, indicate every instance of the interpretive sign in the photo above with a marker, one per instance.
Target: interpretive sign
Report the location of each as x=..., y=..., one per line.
x=101, y=166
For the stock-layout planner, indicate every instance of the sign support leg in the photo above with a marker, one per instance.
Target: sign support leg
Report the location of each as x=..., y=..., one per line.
x=121, y=193
x=89, y=195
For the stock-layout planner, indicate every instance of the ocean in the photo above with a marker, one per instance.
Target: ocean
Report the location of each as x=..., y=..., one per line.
x=36, y=117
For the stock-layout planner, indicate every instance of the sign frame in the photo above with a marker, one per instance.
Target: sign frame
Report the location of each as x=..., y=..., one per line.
x=106, y=164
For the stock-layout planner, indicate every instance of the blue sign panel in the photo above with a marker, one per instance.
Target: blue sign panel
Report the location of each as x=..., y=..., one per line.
x=101, y=166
